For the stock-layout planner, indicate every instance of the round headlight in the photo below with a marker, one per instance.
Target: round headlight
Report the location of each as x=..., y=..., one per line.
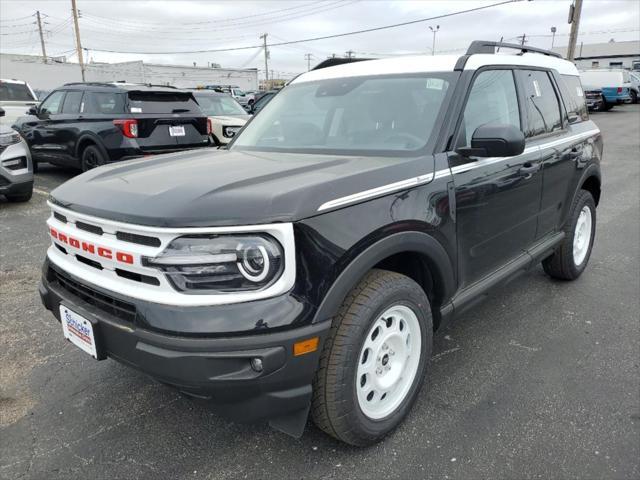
x=253, y=262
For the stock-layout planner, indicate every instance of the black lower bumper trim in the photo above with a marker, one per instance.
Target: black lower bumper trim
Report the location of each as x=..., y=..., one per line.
x=216, y=369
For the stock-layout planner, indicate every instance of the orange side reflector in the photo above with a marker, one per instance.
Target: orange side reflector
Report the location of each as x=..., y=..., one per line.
x=305, y=346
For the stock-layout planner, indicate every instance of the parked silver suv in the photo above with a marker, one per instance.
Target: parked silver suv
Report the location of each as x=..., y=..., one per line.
x=16, y=168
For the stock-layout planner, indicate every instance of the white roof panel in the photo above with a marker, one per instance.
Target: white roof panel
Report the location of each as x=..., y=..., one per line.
x=435, y=63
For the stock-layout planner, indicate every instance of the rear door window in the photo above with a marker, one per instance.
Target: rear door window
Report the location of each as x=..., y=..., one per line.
x=574, y=99
x=542, y=107
x=162, y=102
x=108, y=103
x=72, y=102
x=53, y=103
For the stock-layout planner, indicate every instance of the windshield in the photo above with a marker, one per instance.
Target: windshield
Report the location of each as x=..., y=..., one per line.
x=16, y=92
x=238, y=93
x=392, y=113
x=212, y=105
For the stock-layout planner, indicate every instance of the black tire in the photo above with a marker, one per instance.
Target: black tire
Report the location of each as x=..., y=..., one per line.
x=91, y=158
x=35, y=165
x=606, y=106
x=20, y=197
x=634, y=96
x=561, y=264
x=335, y=407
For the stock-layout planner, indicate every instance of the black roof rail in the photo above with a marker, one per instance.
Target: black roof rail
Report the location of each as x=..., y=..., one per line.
x=484, y=46
x=92, y=84
x=332, y=62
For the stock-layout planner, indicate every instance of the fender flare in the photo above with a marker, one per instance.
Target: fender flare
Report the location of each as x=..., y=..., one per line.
x=437, y=259
x=592, y=170
x=93, y=138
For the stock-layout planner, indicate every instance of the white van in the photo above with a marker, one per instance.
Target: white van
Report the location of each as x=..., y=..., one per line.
x=614, y=84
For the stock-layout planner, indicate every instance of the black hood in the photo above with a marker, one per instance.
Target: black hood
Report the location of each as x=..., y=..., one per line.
x=209, y=187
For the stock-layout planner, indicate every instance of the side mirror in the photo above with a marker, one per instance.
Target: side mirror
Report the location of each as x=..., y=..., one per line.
x=33, y=110
x=494, y=140
x=2, y=112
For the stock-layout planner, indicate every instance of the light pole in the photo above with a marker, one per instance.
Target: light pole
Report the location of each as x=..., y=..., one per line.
x=433, y=45
x=553, y=36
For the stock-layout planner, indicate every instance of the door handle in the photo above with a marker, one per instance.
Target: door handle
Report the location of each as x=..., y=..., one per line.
x=529, y=168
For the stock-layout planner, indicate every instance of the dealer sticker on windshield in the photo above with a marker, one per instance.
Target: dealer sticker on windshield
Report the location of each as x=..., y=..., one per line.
x=78, y=330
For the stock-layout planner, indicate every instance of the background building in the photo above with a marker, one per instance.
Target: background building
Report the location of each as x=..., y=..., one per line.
x=56, y=72
x=605, y=55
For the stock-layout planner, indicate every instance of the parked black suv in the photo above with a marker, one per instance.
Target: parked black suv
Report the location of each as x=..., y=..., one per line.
x=92, y=124
x=306, y=267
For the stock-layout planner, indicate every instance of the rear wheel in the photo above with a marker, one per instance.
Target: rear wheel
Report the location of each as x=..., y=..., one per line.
x=634, y=96
x=375, y=359
x=91, y=158
x=571, y=258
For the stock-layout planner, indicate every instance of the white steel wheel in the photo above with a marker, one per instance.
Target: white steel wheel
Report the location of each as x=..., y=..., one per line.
x=388, y=362
x=582, y=235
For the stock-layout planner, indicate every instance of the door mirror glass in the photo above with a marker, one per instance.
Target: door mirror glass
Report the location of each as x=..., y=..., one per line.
x=33, y=110
x=494, y=140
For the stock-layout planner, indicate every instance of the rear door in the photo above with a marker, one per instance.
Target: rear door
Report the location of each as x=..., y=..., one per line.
x=167, y=120
x=547, y=130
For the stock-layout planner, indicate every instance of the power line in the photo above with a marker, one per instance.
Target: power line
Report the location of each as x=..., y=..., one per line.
x=313, y=39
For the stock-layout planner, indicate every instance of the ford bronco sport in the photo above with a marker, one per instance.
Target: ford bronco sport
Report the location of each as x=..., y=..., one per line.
x=306, y=267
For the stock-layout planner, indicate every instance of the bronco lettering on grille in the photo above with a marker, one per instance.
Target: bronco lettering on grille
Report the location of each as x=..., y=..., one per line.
x=104, y=252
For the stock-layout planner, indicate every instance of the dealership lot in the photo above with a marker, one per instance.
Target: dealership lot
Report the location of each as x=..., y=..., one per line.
x=539, y=381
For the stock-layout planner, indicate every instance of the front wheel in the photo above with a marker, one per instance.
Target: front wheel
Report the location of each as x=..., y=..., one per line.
x=571, y=258
x=634, y=96
x=375, y=359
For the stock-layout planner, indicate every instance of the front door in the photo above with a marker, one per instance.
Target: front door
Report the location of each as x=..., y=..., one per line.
x=41, y=132
x=497, y=199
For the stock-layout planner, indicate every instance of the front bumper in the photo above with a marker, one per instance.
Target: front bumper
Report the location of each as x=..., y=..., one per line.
x=217, y=369
x=16, y=181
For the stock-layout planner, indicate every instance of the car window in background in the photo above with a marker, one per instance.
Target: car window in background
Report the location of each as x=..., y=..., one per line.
x=493, y=99
x=72, y=102
x=53, y=103
x=162, y=102
x=350, y=114
x=543, y=109
x=238, y=93
x=213, y=105
x=16, y=92
x=573, y=96
x=103, y=102
x=262, y=101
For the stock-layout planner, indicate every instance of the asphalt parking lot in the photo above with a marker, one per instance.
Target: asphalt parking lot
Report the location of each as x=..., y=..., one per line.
x=540, y=381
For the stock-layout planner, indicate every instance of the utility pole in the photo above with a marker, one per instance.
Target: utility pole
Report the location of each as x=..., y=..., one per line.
x=523, y=39
x=44, y=51
x=307, y=57
x=574, y=20
x=349, y=53
x=433, y=44
x=553, y=36
x=266, y=62
x=74, y=9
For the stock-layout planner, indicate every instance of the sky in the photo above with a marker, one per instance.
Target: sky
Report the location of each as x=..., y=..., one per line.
x=109, y=28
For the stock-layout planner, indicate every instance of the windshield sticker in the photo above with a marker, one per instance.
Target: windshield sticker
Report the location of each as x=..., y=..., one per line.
x=579, y=91
x=136, y=110
x=435, y=83
x=536, y=87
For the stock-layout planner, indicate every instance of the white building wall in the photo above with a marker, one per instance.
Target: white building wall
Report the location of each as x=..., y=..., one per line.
x=51, y=75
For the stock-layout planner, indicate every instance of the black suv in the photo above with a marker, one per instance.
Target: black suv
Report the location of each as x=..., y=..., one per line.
x=91, y=124
x=306, y=267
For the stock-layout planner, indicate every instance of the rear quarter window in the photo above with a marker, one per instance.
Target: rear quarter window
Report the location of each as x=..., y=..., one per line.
x=574, y=99
x=106, y=103
x=162, y=102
